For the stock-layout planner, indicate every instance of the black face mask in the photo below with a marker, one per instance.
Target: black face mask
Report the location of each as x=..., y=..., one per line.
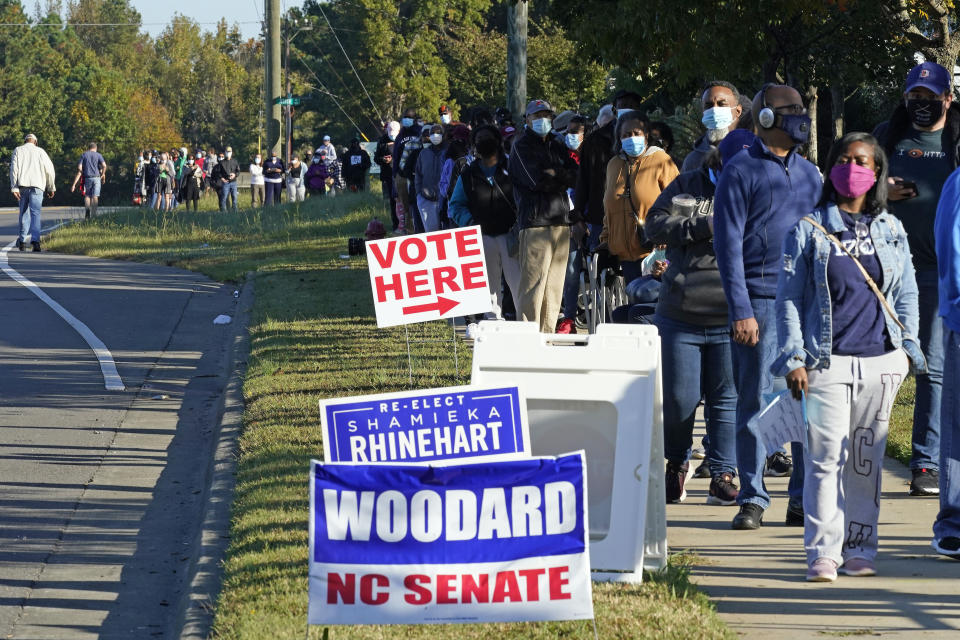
x=487, y=147
x=924, y=112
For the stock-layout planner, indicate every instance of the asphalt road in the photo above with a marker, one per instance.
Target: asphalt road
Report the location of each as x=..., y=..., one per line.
x=101, y=492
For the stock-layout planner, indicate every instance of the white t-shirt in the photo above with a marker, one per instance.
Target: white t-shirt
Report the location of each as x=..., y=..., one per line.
x=256, y=174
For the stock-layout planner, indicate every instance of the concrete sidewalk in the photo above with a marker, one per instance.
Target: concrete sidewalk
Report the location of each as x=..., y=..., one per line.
x=756, y=578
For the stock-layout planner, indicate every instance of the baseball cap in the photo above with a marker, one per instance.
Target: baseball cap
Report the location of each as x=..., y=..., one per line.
x=537, y=105
x=444, y=109
x=230, y=149
x=508, y=131
x=735, y=142
x=326, y=138
x=929, y=75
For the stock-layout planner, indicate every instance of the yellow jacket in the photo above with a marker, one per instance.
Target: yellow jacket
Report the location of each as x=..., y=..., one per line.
x=624, y=210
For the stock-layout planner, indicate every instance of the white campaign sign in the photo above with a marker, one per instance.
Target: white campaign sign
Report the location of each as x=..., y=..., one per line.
x=600, y=393
x=428, y=276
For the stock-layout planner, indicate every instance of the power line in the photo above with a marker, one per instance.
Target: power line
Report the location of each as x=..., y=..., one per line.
x=337, y=38
x=106, y=24
x=329, y=94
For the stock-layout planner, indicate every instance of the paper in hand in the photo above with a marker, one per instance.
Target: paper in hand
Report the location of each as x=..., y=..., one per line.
x=782, y=420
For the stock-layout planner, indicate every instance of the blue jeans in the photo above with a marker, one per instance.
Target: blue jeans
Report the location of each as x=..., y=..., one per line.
x=697, y=362
x=571, y=286
x=926, y=410
x=948, y=520
x=227, y=191
x=751, y=368
x=30, y=200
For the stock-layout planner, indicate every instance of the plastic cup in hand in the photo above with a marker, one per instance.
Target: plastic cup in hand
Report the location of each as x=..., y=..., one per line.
x=683, y=205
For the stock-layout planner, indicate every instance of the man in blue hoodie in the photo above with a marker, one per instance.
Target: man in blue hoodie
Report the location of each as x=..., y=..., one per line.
x=946, y=529
x=761, y=194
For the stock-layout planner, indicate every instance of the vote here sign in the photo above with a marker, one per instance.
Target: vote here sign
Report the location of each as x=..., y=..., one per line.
x=428, y=276
x=487, y=542
x=430, y=425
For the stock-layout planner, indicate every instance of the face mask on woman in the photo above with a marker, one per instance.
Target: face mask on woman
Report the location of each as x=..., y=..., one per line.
x=258, y=159
x=572, y=141
x=717, y=118
x=851, y=180
x=407, y=122
x=436, y=139
x=634, y=146
x=446, y=118
x=541, y=126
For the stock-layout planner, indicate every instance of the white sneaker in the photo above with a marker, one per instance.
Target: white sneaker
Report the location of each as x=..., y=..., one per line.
x=472, y=330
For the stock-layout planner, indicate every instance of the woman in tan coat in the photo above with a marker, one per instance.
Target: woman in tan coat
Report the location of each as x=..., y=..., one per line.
x=635, y=177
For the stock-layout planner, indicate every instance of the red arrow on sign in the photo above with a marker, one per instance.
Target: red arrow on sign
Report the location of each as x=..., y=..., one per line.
x=442, y=305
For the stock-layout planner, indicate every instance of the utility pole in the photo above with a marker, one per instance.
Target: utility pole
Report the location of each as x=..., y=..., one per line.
x=517, y=58
x=272, y=53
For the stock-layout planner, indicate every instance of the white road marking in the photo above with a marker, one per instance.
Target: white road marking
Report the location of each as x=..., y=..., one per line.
x=111, y=377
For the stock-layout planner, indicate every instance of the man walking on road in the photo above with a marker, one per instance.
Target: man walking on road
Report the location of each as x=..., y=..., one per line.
x=31, y=173
x=93, y=170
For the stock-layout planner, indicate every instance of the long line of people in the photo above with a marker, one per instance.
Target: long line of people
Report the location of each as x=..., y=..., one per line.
x=762, y=274
x=165, y=179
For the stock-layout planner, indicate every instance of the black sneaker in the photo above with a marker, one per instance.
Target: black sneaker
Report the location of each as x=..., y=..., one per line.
x=749, y=517
x=926, y=482
x=36, y=247
x=723, y=491
x=794, y=514
x=674, y=479
x=779, y=465
x=702, y=471
x=949, y=546
x=20, y=245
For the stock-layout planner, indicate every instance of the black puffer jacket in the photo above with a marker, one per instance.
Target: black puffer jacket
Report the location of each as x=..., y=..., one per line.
x=541, y=199
x=690, y=289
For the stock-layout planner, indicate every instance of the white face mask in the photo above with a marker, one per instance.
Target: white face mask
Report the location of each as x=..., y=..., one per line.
x=572, y=141
x=257, y=159
x=229, y=154
x=436, y=138
x=446, y=118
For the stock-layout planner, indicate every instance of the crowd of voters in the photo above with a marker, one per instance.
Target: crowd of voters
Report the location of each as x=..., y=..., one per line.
x=761, y=273
x=165, y=179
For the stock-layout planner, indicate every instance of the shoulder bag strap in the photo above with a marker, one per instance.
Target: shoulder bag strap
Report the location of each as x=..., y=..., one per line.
x=870, y=281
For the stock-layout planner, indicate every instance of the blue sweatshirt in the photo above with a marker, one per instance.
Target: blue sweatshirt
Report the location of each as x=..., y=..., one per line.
x=760, y=196
x=946, y=230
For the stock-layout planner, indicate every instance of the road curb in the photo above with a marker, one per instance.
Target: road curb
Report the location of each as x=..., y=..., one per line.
x=195, y=610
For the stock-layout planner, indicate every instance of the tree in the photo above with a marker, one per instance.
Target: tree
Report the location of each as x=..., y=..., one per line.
x=928, y=25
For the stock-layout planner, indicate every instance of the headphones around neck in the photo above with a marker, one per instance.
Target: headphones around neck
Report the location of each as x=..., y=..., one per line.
x=766, y=118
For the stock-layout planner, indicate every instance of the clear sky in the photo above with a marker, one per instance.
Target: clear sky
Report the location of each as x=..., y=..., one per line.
x=248, y=13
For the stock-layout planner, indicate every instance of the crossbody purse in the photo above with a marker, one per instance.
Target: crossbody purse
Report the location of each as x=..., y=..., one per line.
x=870, y=282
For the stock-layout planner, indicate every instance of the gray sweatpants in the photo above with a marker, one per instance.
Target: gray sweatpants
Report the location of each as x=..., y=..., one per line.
x=848, y=413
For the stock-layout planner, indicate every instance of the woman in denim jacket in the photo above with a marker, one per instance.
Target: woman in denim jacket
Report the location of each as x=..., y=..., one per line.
x=840, y=346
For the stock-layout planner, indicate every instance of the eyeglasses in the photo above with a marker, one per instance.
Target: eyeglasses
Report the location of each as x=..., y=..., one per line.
x=797, y=109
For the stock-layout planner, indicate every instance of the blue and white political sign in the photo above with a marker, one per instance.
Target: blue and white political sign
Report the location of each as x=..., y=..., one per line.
x=452, y=424
x=416, y=544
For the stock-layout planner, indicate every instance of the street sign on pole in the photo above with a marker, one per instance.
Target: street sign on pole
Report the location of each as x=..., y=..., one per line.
x=288, y=102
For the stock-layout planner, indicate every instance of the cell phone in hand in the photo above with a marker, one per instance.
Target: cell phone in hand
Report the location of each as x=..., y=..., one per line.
x=907, y=184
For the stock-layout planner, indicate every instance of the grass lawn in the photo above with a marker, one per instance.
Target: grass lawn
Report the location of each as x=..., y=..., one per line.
x=312, y=336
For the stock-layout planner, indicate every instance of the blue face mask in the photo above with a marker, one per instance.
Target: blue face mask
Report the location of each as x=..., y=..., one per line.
x=717, y=117
x=572, y=141
x=541, y=126
x=407, y=122
x=634, y=145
